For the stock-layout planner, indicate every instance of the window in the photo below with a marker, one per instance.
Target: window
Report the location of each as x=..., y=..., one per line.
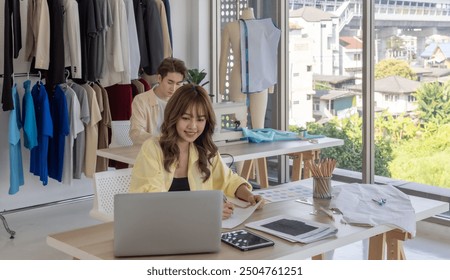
x=318, y=56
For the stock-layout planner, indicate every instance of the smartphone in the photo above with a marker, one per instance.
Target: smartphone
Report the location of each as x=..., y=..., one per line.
x=245, y=240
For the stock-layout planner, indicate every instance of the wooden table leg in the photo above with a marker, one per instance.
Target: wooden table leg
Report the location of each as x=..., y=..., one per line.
x=310, y=155
x=262, y=172
x=318, y=257
x=394, y=244
x=297, y=160
x=246, y=169
x=376, y=247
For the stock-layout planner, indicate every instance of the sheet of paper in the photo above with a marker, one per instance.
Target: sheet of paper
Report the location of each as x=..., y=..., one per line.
x=240, y=214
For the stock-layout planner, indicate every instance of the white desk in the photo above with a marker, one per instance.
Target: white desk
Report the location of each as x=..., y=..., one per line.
x=96, y=242
x=242, y=152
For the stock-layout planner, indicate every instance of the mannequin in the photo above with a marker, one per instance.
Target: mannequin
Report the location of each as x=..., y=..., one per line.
x=231, y=40
x=258, y=100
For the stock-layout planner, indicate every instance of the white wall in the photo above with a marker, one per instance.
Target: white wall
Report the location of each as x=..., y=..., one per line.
x=191, y=45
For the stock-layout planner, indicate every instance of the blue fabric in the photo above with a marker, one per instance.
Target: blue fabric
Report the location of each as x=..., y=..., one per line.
x=15, y=153
x=39, y=154
x=271, y=135
x=268, y=135
x=61, y=129
x=29, y=118
x=312, y=136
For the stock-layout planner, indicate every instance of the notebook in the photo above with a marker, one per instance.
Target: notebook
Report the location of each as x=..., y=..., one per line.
x=167, y=223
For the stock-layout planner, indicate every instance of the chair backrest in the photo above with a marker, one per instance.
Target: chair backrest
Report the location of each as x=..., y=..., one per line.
x=106, y=185
x=120, y=134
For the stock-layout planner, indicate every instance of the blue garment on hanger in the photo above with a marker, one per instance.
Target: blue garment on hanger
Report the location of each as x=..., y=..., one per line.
x=29, y=118
x=61, y=128
x=39, y=154
x=15, y=151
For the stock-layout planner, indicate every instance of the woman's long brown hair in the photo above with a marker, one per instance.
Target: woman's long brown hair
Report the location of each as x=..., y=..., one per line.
x=186, y=98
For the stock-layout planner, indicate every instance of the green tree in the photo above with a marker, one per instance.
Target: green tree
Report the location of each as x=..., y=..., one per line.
x=349, y=156
x=395, y=129
x=394, y=67
x=424, y=160
x=433, y=103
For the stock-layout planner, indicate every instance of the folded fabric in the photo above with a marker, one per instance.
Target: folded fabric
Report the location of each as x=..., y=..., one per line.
x=268, y=135
x=370, y=205
x=311, y=136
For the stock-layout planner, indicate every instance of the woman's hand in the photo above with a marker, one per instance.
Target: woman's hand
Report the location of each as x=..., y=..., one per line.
x=227, y=210
x=253, y=199
x=245, y=194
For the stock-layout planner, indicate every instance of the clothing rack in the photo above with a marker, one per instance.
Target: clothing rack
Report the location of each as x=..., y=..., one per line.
x=2, y=217
x=19, y=75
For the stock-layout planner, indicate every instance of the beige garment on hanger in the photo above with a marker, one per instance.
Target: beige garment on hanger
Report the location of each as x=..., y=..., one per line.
x=151, y=79
x=140, y=86
x=164, y=28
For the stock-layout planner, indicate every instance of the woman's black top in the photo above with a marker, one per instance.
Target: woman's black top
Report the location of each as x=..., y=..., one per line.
x=180, y=184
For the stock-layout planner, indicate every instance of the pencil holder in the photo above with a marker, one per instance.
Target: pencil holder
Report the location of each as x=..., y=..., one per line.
x=322, y=187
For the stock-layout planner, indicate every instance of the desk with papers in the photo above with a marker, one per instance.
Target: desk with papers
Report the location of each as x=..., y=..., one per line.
x=96, y=242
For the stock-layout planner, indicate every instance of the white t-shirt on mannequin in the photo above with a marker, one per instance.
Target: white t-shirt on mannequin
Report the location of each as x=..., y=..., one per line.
x=258, y=100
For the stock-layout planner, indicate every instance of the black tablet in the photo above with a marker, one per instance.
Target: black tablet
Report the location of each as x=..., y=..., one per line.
x=245, y=240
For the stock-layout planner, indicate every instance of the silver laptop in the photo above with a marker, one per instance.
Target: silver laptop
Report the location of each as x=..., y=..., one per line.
x=167, y=223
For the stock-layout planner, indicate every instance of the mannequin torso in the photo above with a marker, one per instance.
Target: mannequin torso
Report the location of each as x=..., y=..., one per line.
x=231, y=41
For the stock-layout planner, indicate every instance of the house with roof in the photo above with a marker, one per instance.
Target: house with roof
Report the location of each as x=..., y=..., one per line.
x=440, y=75
x=331, y=95
x=321, y=29
x=437, y=55
x=351, y=53
x=394, y=94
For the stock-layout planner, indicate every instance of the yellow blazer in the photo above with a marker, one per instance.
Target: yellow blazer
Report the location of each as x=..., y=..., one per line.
x=149, y=175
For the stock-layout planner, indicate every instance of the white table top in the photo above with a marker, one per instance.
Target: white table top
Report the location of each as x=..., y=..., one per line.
x=96, y=242
x=240, y=152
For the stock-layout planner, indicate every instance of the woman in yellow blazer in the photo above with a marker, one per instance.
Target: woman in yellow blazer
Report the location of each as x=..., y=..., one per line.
x=185, y=157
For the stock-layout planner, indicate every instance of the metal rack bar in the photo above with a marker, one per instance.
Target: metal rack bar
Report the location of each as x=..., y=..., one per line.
x=59, y=202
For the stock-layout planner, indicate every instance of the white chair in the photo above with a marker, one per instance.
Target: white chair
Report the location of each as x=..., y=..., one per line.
x=120, y=134
x=106, y=185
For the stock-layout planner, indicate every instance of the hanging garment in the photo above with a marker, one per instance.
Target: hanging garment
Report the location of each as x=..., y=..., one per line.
x=145, y=83
x=76, y=126
x=138, y=87
x=90, y=156
x=72, y=43
x=12, y=48
x=120, y=98
x=87, y=31
x=169, y=23
x=164, y=28
x=259, y=47
x=149, y=35
x=117, y=47
x=15, y=151
x=80, y=141
x=103, y=133
x=39, y=154
x=37, y=44
x=56, y=67
x=30, y=133
x=61, y=129
x=133, y=43
x=106, y=22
